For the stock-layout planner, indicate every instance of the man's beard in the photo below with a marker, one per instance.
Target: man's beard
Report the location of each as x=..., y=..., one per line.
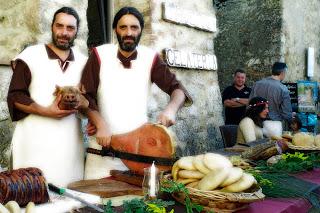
x=64, y=46
x=128, y=47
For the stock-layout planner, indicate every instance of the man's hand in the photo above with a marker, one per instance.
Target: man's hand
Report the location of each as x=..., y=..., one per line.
x=91, y=129
x=103, y=133
x=54, y=111
x=103, y=137
x=167, y=117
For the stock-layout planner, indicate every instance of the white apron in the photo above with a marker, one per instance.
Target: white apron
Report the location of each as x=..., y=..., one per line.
x=122, y=99
x=53, y=145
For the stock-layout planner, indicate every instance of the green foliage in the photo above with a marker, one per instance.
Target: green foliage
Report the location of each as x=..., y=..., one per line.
x=170, y=186
x=108, y=207
x=134, y=206
x=153, y=208
x=291, y=163
x=141, y=206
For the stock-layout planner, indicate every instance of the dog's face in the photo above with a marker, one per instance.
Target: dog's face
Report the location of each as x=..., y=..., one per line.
x=70, y=96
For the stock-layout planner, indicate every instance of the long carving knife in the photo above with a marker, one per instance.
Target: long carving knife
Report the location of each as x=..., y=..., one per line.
x=62, y=191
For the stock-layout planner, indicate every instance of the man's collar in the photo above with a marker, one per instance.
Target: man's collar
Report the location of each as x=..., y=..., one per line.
x=53, y=55
x=127, y=61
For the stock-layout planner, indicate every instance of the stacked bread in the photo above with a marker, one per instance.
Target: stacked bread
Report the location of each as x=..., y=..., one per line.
x=211, y=171
x=305, y=140
x=13, y=207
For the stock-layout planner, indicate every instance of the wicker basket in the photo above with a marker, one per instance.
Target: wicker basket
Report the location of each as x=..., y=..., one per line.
x=218, y=201
x=303, y=148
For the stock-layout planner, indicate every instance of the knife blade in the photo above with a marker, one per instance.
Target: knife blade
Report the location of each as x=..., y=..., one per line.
x=62, y=191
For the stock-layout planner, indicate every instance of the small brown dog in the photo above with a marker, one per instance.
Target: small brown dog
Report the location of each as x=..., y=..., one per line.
x=71, y=97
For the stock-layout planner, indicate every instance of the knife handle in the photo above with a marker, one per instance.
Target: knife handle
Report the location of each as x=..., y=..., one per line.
x=56, y=189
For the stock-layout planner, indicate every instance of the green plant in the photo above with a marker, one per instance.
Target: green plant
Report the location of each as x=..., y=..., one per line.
x=170, y=186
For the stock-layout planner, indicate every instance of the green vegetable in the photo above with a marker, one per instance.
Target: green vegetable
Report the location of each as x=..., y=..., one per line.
x=170, y=186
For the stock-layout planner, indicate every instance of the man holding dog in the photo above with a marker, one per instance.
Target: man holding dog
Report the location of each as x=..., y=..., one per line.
x=46, y=136
x=117, y=79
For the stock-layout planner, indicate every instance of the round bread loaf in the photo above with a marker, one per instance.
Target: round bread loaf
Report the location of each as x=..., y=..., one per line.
x=186, y=163
x=186, y=180
x=245, y=182
x=213, y=179
x=193, y=184
x=216, y=161
x=174, y=171
x=13, y=207
x=317, y=140
x=199, y=164
x=303, y=139
x=190, y=174
x=234, y=175
x=3, y=209
x=30, y=208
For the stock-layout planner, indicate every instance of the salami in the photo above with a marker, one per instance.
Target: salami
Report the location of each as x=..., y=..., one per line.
x=23, y=186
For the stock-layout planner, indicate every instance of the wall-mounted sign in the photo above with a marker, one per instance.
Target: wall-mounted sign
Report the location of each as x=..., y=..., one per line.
x=172, y=13
x=177, y=58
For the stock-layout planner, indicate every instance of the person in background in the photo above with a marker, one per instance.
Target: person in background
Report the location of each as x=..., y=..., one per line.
x=276, y=93
x=250, y=127
x=235, y=98
x=45, y=136
x=295, y=125
x=117, y=80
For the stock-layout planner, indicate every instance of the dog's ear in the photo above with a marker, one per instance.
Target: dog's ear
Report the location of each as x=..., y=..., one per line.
x=58, y=89
x=81, y=88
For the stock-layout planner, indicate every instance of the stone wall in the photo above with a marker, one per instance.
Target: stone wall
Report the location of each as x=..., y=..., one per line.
x=254, y=34
x=301, y=30
x=197, y=126
x=25, y=22
x=250, y=36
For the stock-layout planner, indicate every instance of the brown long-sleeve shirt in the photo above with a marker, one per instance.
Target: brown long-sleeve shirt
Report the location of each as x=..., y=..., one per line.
x=20, y=82
x=160, y=75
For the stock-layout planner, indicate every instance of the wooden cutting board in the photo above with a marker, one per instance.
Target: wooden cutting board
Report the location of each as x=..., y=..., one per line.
x=105, y=187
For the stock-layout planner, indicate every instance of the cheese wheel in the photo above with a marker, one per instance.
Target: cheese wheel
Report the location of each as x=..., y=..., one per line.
x=234, y=175
x=216, y=161
x=199, y=164
x=186, y=180
x=245, y=182
x=213, y=179
x=186, y=163
x=174, y=171
x=190, y=174
x=3, y=209
x=13, y=207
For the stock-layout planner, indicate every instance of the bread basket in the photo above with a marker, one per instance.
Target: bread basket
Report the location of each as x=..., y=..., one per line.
x=218, y=201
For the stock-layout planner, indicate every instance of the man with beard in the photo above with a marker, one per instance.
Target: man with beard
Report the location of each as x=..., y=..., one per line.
x=117, y=79
x=235, y=98
x=45, y=136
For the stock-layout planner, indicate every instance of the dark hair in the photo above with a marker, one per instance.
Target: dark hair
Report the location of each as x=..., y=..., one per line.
x=239, y=71
x=278, y=68
x=128, y=10
x=69, y=11
x=255, y=107
x=296, y=120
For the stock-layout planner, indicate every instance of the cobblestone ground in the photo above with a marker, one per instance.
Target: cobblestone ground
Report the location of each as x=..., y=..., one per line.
x=5, y=139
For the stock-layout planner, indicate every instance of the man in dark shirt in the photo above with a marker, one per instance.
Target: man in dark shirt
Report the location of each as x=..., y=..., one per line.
x=45, y=136
x=117, y=80
x=235, y=98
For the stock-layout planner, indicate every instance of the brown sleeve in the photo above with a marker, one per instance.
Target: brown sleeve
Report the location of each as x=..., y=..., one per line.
x=166, y=80
x=90, y=79
x=19, y=90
